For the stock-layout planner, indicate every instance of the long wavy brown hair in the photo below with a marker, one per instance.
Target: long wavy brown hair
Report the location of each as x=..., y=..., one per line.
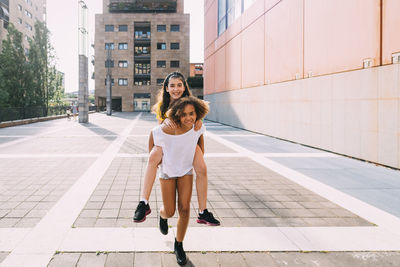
x=164, y=98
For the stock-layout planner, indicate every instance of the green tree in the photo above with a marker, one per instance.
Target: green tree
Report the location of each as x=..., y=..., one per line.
x=14, y=71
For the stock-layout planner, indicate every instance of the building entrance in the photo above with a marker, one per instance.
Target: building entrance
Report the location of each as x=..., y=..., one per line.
x=141, y=101
x=117, y=104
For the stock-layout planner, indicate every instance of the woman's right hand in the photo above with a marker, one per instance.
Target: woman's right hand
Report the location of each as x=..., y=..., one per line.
x=171, y=124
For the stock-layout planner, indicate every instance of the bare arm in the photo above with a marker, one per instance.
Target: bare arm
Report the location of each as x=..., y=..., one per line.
x=151, y=141
x=201, y=143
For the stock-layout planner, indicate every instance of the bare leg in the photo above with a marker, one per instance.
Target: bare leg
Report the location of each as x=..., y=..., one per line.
x=168, y=191
x=184, y=185
x=200, y=168
x=155, y=157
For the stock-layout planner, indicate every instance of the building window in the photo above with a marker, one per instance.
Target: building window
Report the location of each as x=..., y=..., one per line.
x=161, y=63
x=198, y=67
x=174, y=46
x=123, y=46
x=142, y=35
x=28, y=26
x=109, y=63
x=19, y=21
x=109, y=28
x=160, y=81
x=123, y=63
x=109, y=46
x=105, y=81
x=122, y=81
x=161, y=46
x=229, y=11
x=174, y=63
x=142, y=68
x=221, y=16
x=142, y=82
x=122, y=28
x=27, y=13
x=140, y=50
x=175, y=28
x=162, y=28
x=19, y=7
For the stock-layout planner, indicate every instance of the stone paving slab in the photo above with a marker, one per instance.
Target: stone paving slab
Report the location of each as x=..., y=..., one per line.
x=241, y=192
x=48, y=144
x=211, y=259
x=30, y=187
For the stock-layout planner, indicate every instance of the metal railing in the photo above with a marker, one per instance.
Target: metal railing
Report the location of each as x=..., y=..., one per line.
x=12, y=114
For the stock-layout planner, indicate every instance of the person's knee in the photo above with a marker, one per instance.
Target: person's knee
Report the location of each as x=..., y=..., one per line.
x=201, y=170
x=184, y=212
x=169, y=212
x=155, y=156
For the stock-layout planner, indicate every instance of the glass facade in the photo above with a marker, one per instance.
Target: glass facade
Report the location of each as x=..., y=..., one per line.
x=229, y=11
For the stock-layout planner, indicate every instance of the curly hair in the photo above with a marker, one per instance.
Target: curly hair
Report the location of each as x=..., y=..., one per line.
x=175, y=112
x=164, y=97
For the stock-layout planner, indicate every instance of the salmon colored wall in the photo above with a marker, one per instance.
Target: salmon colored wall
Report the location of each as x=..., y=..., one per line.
x=391, y=30
x=253, y=54
x=233, y=63
x=340, y=34
x=312, y=36
x=220, y=70
x=209, y=82
x=284, y=44
x=210, y=22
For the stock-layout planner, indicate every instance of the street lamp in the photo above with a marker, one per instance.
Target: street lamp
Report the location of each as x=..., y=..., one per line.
x=83, y=50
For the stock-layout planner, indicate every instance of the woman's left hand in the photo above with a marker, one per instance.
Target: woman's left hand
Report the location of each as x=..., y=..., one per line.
x=197, y=125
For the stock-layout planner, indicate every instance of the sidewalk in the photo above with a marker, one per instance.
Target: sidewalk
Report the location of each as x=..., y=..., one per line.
x=68, y=192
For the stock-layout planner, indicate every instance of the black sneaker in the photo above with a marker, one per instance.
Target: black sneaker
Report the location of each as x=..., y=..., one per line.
x=207, y=218
x=163, y=226
x=180, y=253
x=142, y=210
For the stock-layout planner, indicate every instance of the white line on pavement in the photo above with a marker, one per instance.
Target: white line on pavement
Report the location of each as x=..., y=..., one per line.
x=39, y=245
x=145, y=155
x=145, y=239
x=22, y=156
x=377, y=216
x=233, y=239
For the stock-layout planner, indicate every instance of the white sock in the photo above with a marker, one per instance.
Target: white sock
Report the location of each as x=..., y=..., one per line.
x=144, y=200
x=201, y=212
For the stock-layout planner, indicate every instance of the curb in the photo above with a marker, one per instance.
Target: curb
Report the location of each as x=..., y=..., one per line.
x=5, y=124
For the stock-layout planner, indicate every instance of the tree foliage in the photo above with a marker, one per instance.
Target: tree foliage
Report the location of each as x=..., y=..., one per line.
x=28, y=77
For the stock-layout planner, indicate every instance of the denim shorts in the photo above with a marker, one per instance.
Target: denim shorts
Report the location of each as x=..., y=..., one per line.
x=163, y=175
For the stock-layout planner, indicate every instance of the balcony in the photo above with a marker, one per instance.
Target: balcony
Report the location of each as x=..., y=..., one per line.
x=142, y=6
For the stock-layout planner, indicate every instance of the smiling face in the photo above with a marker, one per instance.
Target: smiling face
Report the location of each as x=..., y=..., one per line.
x=188, y=116
x=175, y=88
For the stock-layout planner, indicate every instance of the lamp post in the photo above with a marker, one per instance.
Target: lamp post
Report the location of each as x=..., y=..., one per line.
x=83, y=50
x=109, y=84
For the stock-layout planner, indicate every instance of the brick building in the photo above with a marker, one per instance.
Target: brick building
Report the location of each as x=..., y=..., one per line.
x=22, y=14
x=148, y=40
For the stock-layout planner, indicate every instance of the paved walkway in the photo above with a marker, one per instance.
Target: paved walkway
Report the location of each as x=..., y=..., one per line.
x=68, y=192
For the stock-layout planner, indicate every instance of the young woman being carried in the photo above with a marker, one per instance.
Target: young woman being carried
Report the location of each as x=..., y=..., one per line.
x=174, y=88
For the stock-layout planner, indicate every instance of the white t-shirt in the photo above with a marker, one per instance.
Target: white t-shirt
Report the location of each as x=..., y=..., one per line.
x=178, y=150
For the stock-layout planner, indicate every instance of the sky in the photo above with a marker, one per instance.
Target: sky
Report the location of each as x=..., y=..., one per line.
x=62, y=21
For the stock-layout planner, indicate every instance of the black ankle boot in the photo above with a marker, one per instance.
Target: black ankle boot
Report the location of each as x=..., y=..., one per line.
x=180, y=253
x=163, y=226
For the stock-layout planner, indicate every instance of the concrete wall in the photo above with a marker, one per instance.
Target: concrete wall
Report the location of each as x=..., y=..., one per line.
x=354, y=113
x=262, y=63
